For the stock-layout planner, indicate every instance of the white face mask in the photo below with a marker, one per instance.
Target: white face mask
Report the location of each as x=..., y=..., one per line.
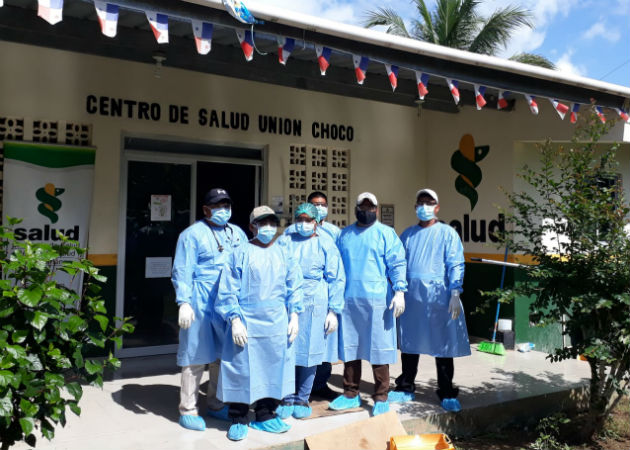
x=305, y=228
x=322, y=211
x=425, y=212
x=266, y=233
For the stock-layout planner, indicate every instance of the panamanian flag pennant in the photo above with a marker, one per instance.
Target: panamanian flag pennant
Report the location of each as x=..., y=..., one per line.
x=561, y=108
x=502, y=101
x=285, y=47
x=531, y=101
x=479, y=93
x=422, y=80
x=323, y=58
x=600, y=114
x=453, y=87
x=392, y=74
x=50, y=10
x=360, y=67
x=159, y=25
x=247, y=43
x=203, y=36
x=574, y=112
x=108, y=17
x=624, y=115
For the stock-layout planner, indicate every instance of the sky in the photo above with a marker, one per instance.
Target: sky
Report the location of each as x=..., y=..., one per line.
x=590, y=38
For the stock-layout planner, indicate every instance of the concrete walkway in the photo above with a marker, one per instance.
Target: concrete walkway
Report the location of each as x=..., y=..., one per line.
x=138, y=408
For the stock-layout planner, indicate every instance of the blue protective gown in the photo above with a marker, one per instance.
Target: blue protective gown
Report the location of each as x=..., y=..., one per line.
x=370, y=256
x=196, y=269
x=324, y=284
x=262, y=286
x=323, y=229
x=435, y=266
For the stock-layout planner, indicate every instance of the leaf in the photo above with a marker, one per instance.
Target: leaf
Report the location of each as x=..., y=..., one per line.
x=27, y=424
x=30, y=297
x=54, y=379
x=6, y=407
x=18, y=336
x=92, y=367
x=48, y=431
x=39, y=320
x=102, y=320
x=75, y=323
x=75, y=408
x=6, y=312
x=75, y=390
x=29, y=409
x=6, y=377
x=16, y=351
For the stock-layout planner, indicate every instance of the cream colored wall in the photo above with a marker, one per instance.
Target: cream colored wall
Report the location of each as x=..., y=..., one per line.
x=50, y=84
x=504, y=132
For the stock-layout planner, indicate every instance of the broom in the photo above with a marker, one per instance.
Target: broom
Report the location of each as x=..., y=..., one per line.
x=495, y=348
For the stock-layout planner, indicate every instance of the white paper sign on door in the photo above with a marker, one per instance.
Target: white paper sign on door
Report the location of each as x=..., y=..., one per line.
x=160, y=208
x=158, y=267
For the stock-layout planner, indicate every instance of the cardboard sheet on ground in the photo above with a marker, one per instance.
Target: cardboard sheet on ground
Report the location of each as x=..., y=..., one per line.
x=372, y=433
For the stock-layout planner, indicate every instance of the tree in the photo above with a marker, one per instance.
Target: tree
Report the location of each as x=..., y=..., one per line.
x=571, y=220
x=457, y=24
x=47, y=332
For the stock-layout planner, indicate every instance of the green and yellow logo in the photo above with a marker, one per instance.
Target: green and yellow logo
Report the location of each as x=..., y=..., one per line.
x=464, y=162
x=49, y=201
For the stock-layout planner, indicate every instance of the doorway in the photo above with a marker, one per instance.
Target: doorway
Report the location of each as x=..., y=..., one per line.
x=162, y=195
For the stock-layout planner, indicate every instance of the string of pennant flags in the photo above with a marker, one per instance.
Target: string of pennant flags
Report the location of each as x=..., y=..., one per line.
x=107, y=13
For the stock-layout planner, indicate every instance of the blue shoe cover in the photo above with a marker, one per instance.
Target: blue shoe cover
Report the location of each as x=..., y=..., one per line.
x=342, y=402
x=237, y=432
x=221, y=414
x=301, y=411
x=380, y=408
x=451, y=405
x=284, y=411
x=275, y=425
x=400, y=396
x=191, y=422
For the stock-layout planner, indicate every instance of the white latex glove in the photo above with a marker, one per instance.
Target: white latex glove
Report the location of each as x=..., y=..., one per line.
x=186, y=316
x=454, y=305
x=398, y=303
x=239, y=332
x=292, y=330
x=331, y=323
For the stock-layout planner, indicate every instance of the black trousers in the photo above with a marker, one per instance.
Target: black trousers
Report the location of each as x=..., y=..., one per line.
x=264, y=409
x=445, y=370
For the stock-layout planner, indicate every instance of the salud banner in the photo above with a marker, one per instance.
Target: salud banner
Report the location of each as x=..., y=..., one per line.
x=50, y=188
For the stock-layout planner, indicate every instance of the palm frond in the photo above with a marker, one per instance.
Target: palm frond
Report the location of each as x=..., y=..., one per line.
x=387, y=17
x=533, y=59
x=498, y=28
x=424, y=29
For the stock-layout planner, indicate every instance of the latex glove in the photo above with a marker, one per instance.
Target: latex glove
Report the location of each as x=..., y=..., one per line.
x=239, y=332
x=454, y=305
x=398, y=303
x=186, y=316
x=292, y=330
x=331, y=323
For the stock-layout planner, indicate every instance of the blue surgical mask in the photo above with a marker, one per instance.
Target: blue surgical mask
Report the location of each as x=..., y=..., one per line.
x=322, y=211
x=425, y=212
x=305, y=228
x=220, y=216
x=266, y=233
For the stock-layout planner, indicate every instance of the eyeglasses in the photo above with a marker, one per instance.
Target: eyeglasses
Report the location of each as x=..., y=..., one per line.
x=426, y=202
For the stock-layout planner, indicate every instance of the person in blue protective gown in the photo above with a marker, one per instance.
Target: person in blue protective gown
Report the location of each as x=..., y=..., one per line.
x=322, y=375
x=324, y=283
x=201, y=251
x=260, y=297
x=372, y=253
x=433, y=323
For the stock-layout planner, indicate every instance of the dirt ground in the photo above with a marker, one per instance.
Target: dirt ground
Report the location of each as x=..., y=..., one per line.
x=616, y=436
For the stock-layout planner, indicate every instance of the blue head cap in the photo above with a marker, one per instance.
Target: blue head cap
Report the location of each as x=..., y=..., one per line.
x=308, y=209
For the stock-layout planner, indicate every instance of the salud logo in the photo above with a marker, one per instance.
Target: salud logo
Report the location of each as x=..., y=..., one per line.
x=464, y=161
x=49, y=201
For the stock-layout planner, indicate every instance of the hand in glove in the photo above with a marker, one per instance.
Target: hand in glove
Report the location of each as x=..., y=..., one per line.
x=454, y=305
x=292, y=330
x=398, y=303
x=331, y=323
x=239, y=332
x=186, y=316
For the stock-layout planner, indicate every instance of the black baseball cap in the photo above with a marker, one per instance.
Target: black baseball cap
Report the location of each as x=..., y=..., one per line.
x=216, y=195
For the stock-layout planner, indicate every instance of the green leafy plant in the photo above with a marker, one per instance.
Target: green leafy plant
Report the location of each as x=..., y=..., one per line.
x=549, y=433
x=46, y=331
x=570, y=219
